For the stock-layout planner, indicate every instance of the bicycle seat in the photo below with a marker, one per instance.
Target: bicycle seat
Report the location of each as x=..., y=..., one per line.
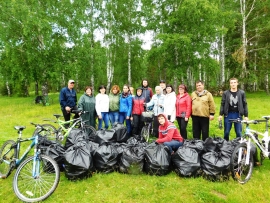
x=20, y=128
x=266, y=117
x=57, y=115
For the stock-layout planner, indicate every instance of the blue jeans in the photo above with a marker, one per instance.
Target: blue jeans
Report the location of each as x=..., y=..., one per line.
x=105, y=118
x=114, y=117
x=228, y=125
x=122, y=118
x=173, y=145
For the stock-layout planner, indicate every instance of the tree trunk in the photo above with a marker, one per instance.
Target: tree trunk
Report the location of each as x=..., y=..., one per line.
x=8, y=89
x=267, y=83
x=36, y=88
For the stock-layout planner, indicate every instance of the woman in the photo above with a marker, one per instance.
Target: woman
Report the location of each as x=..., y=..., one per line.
x=125, y=108
x=114, y=99
x=102, y=107
x=137, y=109
x=87, y=102
x=157, y=102
x=169, y=103
x=183, y=109
x=169, y=134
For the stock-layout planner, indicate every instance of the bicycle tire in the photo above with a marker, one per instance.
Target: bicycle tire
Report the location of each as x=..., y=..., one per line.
x=33, y=189
x=49, y=133
x=90, y=132
x=7, y=153
x=240, y=171
x=145, y=133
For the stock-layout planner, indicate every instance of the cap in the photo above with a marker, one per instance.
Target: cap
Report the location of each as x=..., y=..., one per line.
x=162, y=81
x=70, y=81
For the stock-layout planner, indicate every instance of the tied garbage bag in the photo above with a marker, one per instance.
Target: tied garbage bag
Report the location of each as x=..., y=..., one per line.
x=157, y=160
x=196, y=144
x=186, y=161
x=106, y=158
x=75, y=136
x=121, y=134
x=132, y=160
x=57, y=151
x=104, y=136
x=78, y=161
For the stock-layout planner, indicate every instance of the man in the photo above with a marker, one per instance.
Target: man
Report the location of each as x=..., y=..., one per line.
x=203, y=110
x=68, y=100
x=162, y=84
x=147, y=91
x=233, y=106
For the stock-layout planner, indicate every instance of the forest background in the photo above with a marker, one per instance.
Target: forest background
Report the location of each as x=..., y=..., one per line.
x=46, y=43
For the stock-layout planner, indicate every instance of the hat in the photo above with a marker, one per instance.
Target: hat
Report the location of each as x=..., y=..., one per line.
x=162, y=81
x=70, y=81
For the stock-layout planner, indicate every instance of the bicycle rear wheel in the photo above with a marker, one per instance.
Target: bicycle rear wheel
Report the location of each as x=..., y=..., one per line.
x=145, y=133
x=90, y=131
x=49, y=132
x=38, y=187
x=240, y=170
x=7, y=153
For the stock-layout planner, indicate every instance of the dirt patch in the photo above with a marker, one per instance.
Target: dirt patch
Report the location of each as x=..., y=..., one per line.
x=219, y=194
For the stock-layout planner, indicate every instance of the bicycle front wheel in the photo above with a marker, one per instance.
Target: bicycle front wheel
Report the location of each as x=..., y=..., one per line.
x=145, y=133
x=240, y=170
x=7, y=153
x=36, y=186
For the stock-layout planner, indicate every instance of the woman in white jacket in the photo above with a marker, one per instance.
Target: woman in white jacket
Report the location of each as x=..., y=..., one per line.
x=169, y=103
x=102, y=107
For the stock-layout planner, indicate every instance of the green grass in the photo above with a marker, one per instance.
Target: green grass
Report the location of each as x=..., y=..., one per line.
x=116, y=187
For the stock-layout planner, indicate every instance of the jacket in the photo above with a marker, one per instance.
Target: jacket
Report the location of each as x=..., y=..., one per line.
x=138, y=105
x=169, y=105
x=114, y=102
x=125, y=104
x=88, y=103
x=242, y=103
x=147, y=93
x=102, y=103
x=203, y=104
x=67, y=97
x=157, y=102
x=183, y=105
x=168, y=132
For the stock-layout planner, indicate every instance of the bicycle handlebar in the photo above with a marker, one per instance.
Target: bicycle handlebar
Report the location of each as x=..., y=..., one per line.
x=39, y=126
x=246, y=122
x=79, y=111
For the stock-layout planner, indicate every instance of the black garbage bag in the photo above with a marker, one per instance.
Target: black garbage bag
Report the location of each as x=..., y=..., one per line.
x=106, y=158
x=44, y=143
x=120, y=147
x=93, y=147
x=105, y=136
x=132, y=160
x=78, y=161
x=214, y=165
x=196, y=144
x=75, y=136
x=121, y=134
x=57, y=151
x=157, y=160
x=186, y=161
x=213, y=144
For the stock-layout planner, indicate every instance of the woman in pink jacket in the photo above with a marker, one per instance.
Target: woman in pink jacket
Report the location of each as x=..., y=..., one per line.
x=183, y=109
x=168, y=134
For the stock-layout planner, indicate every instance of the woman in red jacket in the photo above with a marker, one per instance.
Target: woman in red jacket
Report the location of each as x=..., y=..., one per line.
x=183, y=109
x=168, y=134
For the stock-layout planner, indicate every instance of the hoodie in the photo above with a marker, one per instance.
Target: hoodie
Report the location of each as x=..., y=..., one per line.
x=138, y=103
x=168, y=132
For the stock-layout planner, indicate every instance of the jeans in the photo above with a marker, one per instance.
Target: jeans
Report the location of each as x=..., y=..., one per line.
x=122, y=118
x=114, y=117
x=105, y=118
x=173, y=145
x=228, y=125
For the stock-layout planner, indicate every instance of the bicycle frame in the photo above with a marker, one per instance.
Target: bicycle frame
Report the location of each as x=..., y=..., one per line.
x=61, y=124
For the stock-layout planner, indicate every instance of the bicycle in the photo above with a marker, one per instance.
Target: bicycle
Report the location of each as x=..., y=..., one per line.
x=147, y=117
x=62, y=132
x=45, y=100
x=37, y=176
x=242, y=160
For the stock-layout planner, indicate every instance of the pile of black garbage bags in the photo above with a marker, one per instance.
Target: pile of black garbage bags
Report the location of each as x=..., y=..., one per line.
x=112, y=150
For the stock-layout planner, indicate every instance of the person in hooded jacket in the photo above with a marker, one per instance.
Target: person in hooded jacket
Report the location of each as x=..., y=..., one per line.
x=168, y=134
x=147, y=91
x=183, y=109
x=157, y=102
x=125, y=108
x=137, y=108
x=169, y=103
x=203, y=110
x=87, y=102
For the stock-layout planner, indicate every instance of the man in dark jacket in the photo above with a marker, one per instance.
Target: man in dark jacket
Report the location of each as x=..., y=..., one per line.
x=68, y=100
x=147, y=91
x=233, y=106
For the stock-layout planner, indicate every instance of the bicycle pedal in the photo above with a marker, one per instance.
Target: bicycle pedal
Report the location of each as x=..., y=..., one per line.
x=237, y=175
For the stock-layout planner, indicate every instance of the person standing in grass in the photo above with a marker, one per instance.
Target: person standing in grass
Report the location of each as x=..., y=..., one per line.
x=68, y=101
x=203, y=110
x=162, y=84
x=114, y=99
x=147, y=91
x=87, y=102
x=183, y=109
x=169, y=103
x=233, y=106
x=102, y=107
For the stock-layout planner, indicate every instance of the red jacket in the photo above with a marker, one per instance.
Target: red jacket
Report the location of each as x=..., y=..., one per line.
x=168, y=132
x=138, y=105
x=183, y=104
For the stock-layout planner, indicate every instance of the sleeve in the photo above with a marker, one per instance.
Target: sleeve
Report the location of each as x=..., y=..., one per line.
x=171, y=106
x=212, y=108
x=151, y=92
x=188, y=103
x=62, y=98
x=129, y=103
x=245, y=105
x=98, y=105
x=167, y=138
x=151, y=103
x=81, y=103
x=223, y=100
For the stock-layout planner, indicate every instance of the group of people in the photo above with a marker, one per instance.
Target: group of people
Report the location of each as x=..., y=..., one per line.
x=167, y=105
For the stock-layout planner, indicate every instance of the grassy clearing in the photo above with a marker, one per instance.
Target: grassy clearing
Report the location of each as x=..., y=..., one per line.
x=116, y=187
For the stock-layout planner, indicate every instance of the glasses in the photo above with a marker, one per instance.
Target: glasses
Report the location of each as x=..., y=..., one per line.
x=72, y=83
